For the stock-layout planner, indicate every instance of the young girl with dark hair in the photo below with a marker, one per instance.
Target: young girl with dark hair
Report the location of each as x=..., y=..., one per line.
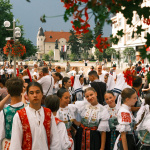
x=91, y=134
x=52, y=102
x=112, y=108
x=126, y=140
x=143, y=125
x=65, y=113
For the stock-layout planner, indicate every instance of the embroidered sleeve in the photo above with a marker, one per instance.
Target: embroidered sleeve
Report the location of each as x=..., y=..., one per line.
x=124, y=120
x=126, y=117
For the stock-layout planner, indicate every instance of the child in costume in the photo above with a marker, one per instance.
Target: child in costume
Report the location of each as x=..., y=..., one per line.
x=14, y=87
x=126, y=140
x=91, y=134
x=65, y=113
x=52, y=102
x=113, y=110
x=143, y=125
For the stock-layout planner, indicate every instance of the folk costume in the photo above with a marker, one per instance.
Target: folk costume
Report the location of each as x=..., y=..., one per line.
x=110, y=82
x=66, y=141
x=94, y=119
x=78, y=88
x=126, y=124
x=67, y=116
x=6, y=121
x=113, y=134
x=34, y=130
x=143, y=128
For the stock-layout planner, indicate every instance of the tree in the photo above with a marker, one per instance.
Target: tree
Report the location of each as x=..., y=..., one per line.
x=46, y=57
x=82, y=10
x=51, y=54
x=110, y=52
x=98, y=54
x=128, y=52
x=86, y=42
x=30, y=48
x=5, y=14
x=74, y=43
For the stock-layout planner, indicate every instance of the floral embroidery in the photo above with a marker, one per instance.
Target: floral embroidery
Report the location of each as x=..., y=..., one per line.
x=126, y=117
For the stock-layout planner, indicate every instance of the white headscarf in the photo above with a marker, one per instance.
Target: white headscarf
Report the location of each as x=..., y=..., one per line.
x=110, y=82
x=77, y=85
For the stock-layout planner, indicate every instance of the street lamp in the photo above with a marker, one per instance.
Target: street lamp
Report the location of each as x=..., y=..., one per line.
x=16, y=34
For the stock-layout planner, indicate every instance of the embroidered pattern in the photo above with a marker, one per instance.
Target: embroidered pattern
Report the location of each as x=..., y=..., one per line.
x=27, y=136
x=126, y=117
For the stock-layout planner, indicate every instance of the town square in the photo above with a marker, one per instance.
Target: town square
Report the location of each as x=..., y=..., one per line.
x=75, y=75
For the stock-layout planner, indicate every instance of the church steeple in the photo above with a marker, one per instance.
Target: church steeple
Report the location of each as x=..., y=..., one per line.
x=40, y=32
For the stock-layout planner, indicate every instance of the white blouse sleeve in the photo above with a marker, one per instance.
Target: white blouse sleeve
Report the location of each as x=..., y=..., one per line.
x=63, y=136
x=55, y=143
x=124, y=120
x=80, y=105
x=73, y=110
x=104, y=117
x=17, y=134
x=2, y=129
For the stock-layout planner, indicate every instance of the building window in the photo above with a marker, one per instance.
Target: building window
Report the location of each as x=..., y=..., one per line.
x=41, y=39
x=49, y=46
x=120, y=21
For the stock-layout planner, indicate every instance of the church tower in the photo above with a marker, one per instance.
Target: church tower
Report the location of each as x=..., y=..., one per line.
x=40, y=41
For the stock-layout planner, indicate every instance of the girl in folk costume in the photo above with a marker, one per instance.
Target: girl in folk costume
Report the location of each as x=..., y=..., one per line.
x=94, y=122
x=143, y=125
x=65, y=113
x=34, y=127
x=109, y=80
x=113, y=110
x=126, y=140
x=78, y=87
x=52, y=102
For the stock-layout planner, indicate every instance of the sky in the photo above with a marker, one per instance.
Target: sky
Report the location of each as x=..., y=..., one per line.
x=29, y=16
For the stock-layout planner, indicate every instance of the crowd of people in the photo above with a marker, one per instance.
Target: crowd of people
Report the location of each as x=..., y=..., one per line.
x=50, y=109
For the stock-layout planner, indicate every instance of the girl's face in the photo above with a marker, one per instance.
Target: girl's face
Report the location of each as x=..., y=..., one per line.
x=65, y=100
x=105, y=78
x=91, y=97
x=110, y=99
x=132, y=100
x=81, y=80
x=68, y=83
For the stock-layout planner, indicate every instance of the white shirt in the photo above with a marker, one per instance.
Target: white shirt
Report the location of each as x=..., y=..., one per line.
x=63, y=137
x=46, y=82
x=39, y=137
x=2, y=71
x=2, y=123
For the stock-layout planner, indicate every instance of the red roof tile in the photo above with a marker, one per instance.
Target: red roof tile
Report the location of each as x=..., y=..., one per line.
x=56, y=35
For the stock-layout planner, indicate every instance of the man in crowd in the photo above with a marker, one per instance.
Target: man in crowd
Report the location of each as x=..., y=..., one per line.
x=100, y=87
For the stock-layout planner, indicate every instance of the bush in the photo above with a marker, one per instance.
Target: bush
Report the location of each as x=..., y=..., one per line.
x=46, y=57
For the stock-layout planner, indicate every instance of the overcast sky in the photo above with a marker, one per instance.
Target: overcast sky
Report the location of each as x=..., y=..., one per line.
x=29, y=15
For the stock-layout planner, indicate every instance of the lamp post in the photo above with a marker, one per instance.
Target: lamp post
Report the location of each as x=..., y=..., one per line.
x=16, y=34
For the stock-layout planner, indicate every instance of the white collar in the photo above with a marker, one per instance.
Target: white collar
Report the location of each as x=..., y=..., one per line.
x=126, y=107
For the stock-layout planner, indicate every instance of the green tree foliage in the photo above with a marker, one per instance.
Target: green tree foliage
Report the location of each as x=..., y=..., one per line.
x=74, y=43
x=128, y=53
x=98, y=54
x=30, y=48
x=46, y=57
x=51, y=54
x=110, y=51
x=5, y=14
x=86, y=42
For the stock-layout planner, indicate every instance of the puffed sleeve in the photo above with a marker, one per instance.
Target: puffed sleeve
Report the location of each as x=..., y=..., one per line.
x=72, y=110
x=80, y=105
x=103, y=117
x=124, y=120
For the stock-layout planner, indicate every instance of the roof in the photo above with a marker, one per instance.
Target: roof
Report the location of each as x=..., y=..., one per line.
x=51, y=36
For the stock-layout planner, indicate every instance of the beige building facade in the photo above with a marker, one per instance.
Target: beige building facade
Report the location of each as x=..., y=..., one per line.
x=119, y=22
